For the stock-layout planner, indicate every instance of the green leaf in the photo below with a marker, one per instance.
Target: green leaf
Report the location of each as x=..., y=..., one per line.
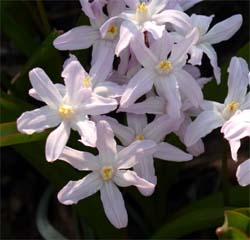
x=17, y=27
x=236, y=225
x=45, y=228
x=12, y=107
x=200, y=215
x=9, y=135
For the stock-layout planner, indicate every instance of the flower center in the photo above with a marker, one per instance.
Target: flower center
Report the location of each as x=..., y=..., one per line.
x=232, y=106
x=229, y=110
x=140, y=137
x=164, y=67
x=142, y=12
x=112, y=32
x=86, y=82
x=65, y=111
x=107, y=173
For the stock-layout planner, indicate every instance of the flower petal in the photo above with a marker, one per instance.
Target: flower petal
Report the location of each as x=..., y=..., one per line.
x=145, y=169
x=205, y=123
x=223, y=30
x=140, y=84
x=143, y=54
x=75, y=191
x=210, y=52
x=166, y=151
x=113, y=205
x=38, y=120
x=243, y=173
x=56, y=141
x=163, y=46
x=238, y=126
x=179, y=51
x=80, y=160
x=81, y=37
x=74, y=75
x=234, y=147
x=103, y=63
x=128, y=156
x=87, y=131
x=109, y=89
x=96, y=105
x=154, y=29
x=127, y=32
x=45, y=89
x=168, y=88
x=202, y=22
x=105, y=143
x=189, y=87
x=137, y=122
x=126, y=178
x=178, y=18
x=160, y=127
x=125, y=134
x=237, y=80
x=59, y=86
x=152, y=105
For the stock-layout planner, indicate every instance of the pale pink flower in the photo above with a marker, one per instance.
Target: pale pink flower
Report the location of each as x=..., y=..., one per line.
x=216, y=114
x=139, y=129
x=243, y=173
x=109, y=170
x=165, y=72
x=236, y=128
x=222, y=31
x=70, y=108
x=145, y=16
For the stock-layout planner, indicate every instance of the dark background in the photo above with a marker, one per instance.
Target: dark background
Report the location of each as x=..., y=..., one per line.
x=22, y=186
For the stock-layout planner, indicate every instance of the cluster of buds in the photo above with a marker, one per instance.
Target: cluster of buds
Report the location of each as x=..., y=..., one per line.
x=159, y=48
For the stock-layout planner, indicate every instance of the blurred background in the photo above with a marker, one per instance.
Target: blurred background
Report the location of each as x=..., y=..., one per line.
x=23, y=32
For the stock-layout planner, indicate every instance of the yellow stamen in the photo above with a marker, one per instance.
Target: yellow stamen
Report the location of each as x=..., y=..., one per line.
x=232, y=106
x=164, y=67
x=112, y=31
x=140, y=137
x=65, y=111
x=142, y=12
x=107, y=173
x=86, y=82
x=141, y=7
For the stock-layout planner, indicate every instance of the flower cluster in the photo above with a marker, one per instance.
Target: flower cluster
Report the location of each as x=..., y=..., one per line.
x=158, y=47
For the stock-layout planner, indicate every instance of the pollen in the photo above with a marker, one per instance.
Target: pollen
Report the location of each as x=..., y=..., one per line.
x=112, y=31
x=86, y=82
x=140, y=137
x=142, y=12
x=107, y=173
x=141, y=7
x=65, y=111
x=164, y=67
x=232, y=106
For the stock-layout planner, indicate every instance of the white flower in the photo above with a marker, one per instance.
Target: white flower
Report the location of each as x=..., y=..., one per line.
x=220, y=32
x=216, y=114
x=109, y=169
x=70, y=109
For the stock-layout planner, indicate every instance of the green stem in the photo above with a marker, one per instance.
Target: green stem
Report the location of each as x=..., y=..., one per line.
x=225, y=177
x=44, y=18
